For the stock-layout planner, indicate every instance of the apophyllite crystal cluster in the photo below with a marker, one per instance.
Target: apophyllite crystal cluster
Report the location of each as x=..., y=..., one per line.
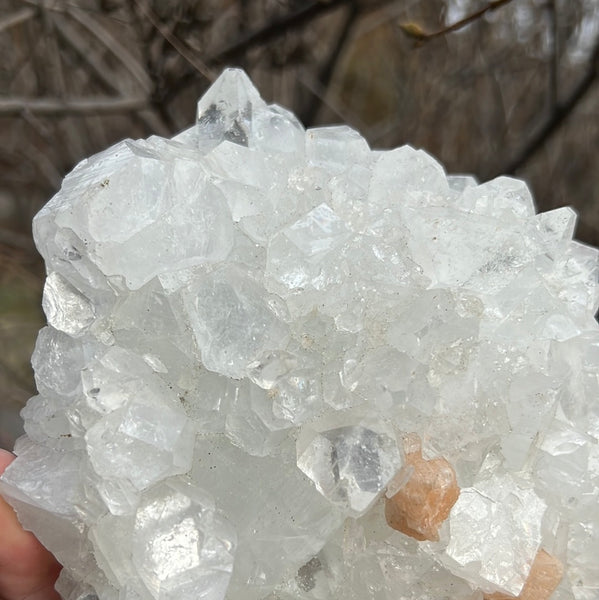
x=280, y=365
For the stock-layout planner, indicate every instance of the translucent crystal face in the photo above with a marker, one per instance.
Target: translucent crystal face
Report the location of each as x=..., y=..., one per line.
x=180, y=546
x=248, y=327
x=351, y=466
x=506, y=519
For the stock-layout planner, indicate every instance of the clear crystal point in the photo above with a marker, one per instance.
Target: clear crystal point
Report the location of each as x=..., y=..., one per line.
x=351, y=466
x=228, y=108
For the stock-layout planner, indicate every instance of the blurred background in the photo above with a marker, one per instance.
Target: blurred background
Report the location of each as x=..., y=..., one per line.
x=488, y=87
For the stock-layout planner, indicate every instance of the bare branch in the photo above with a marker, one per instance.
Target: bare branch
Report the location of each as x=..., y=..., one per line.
x=80, y=106
x=417, y=33
x=276, y=28
x=552, y=85
x=42, y=164
x=315, y=88
x=18, y=17
x=114, y=46
x=53, y=55
x=271, y=31
x=326, y=72
x=81, y=46
x=561, y=112
x=177, y=44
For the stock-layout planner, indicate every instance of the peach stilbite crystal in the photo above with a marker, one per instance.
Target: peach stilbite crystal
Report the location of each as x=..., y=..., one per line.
x=419, y=508
x=544, y=577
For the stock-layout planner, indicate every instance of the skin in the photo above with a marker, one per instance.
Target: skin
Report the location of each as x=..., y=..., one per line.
x=27, y=570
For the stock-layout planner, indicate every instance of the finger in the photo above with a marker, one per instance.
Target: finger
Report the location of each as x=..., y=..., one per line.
x=6, y=458
x=27, y=569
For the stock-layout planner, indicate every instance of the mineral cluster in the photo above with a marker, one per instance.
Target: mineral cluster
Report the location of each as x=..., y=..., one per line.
x=281, y=365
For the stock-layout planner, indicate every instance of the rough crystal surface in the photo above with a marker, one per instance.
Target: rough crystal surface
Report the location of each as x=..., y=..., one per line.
x=505, y=519
x=545, y=574
x=259, y=337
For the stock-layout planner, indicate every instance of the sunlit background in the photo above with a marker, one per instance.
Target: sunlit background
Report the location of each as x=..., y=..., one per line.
x=507, y=86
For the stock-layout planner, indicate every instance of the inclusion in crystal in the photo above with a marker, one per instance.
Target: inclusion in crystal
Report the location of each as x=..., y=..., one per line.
x=227, y=109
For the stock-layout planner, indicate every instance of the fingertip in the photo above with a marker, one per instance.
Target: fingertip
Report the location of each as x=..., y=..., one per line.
x=6, y=458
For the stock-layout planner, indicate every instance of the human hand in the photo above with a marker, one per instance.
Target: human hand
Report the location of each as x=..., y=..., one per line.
x=27, y=570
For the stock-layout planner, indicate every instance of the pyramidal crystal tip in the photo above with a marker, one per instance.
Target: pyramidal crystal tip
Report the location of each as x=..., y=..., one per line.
x=226, y=110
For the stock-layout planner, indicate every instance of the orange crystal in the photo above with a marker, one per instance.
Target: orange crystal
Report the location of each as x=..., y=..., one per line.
x=423, y=503
x=545, y=574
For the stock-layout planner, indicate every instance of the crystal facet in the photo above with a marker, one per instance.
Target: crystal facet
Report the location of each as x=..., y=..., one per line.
x=280, y=365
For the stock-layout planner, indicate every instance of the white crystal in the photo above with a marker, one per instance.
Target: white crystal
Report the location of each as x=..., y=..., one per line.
x=227, y=110
x=245, y=325
x=180, y=546
x=350, y=465
x=495, y=518
x=132, y=444
x=66, y=308
x=583, y=545
x=232, y=321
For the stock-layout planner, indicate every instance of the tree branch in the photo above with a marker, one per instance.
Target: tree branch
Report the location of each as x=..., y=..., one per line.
x=111, y=43
x=16, y=18
x=328, y=69
x=268, y=33
x=560, y=113
x=83, y=106
x=276, y=28
x=176, y=43
x=93, y=59
x=417, y=33
x=552, y=84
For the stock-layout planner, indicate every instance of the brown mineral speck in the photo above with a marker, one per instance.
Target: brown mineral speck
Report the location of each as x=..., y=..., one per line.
x=545, y=574
x=419, y=508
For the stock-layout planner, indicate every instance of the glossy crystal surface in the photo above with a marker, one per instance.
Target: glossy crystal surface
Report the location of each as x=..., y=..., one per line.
x=249, y=326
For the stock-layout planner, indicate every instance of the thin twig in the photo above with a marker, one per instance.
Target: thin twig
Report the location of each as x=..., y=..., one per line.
x=80, y=106
x=46, y=133
x=275, y=29
x=561, y=112
x=151, y=121
x=417, y=33
x=53, y=55
x=42, y=164
x=113, y=46
x=18, y=17
x=326, y=72
x=175, y=42
x=552, y=84
x=271, y=31
x=315, y=88
x=81, y=46
x=24, y=56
